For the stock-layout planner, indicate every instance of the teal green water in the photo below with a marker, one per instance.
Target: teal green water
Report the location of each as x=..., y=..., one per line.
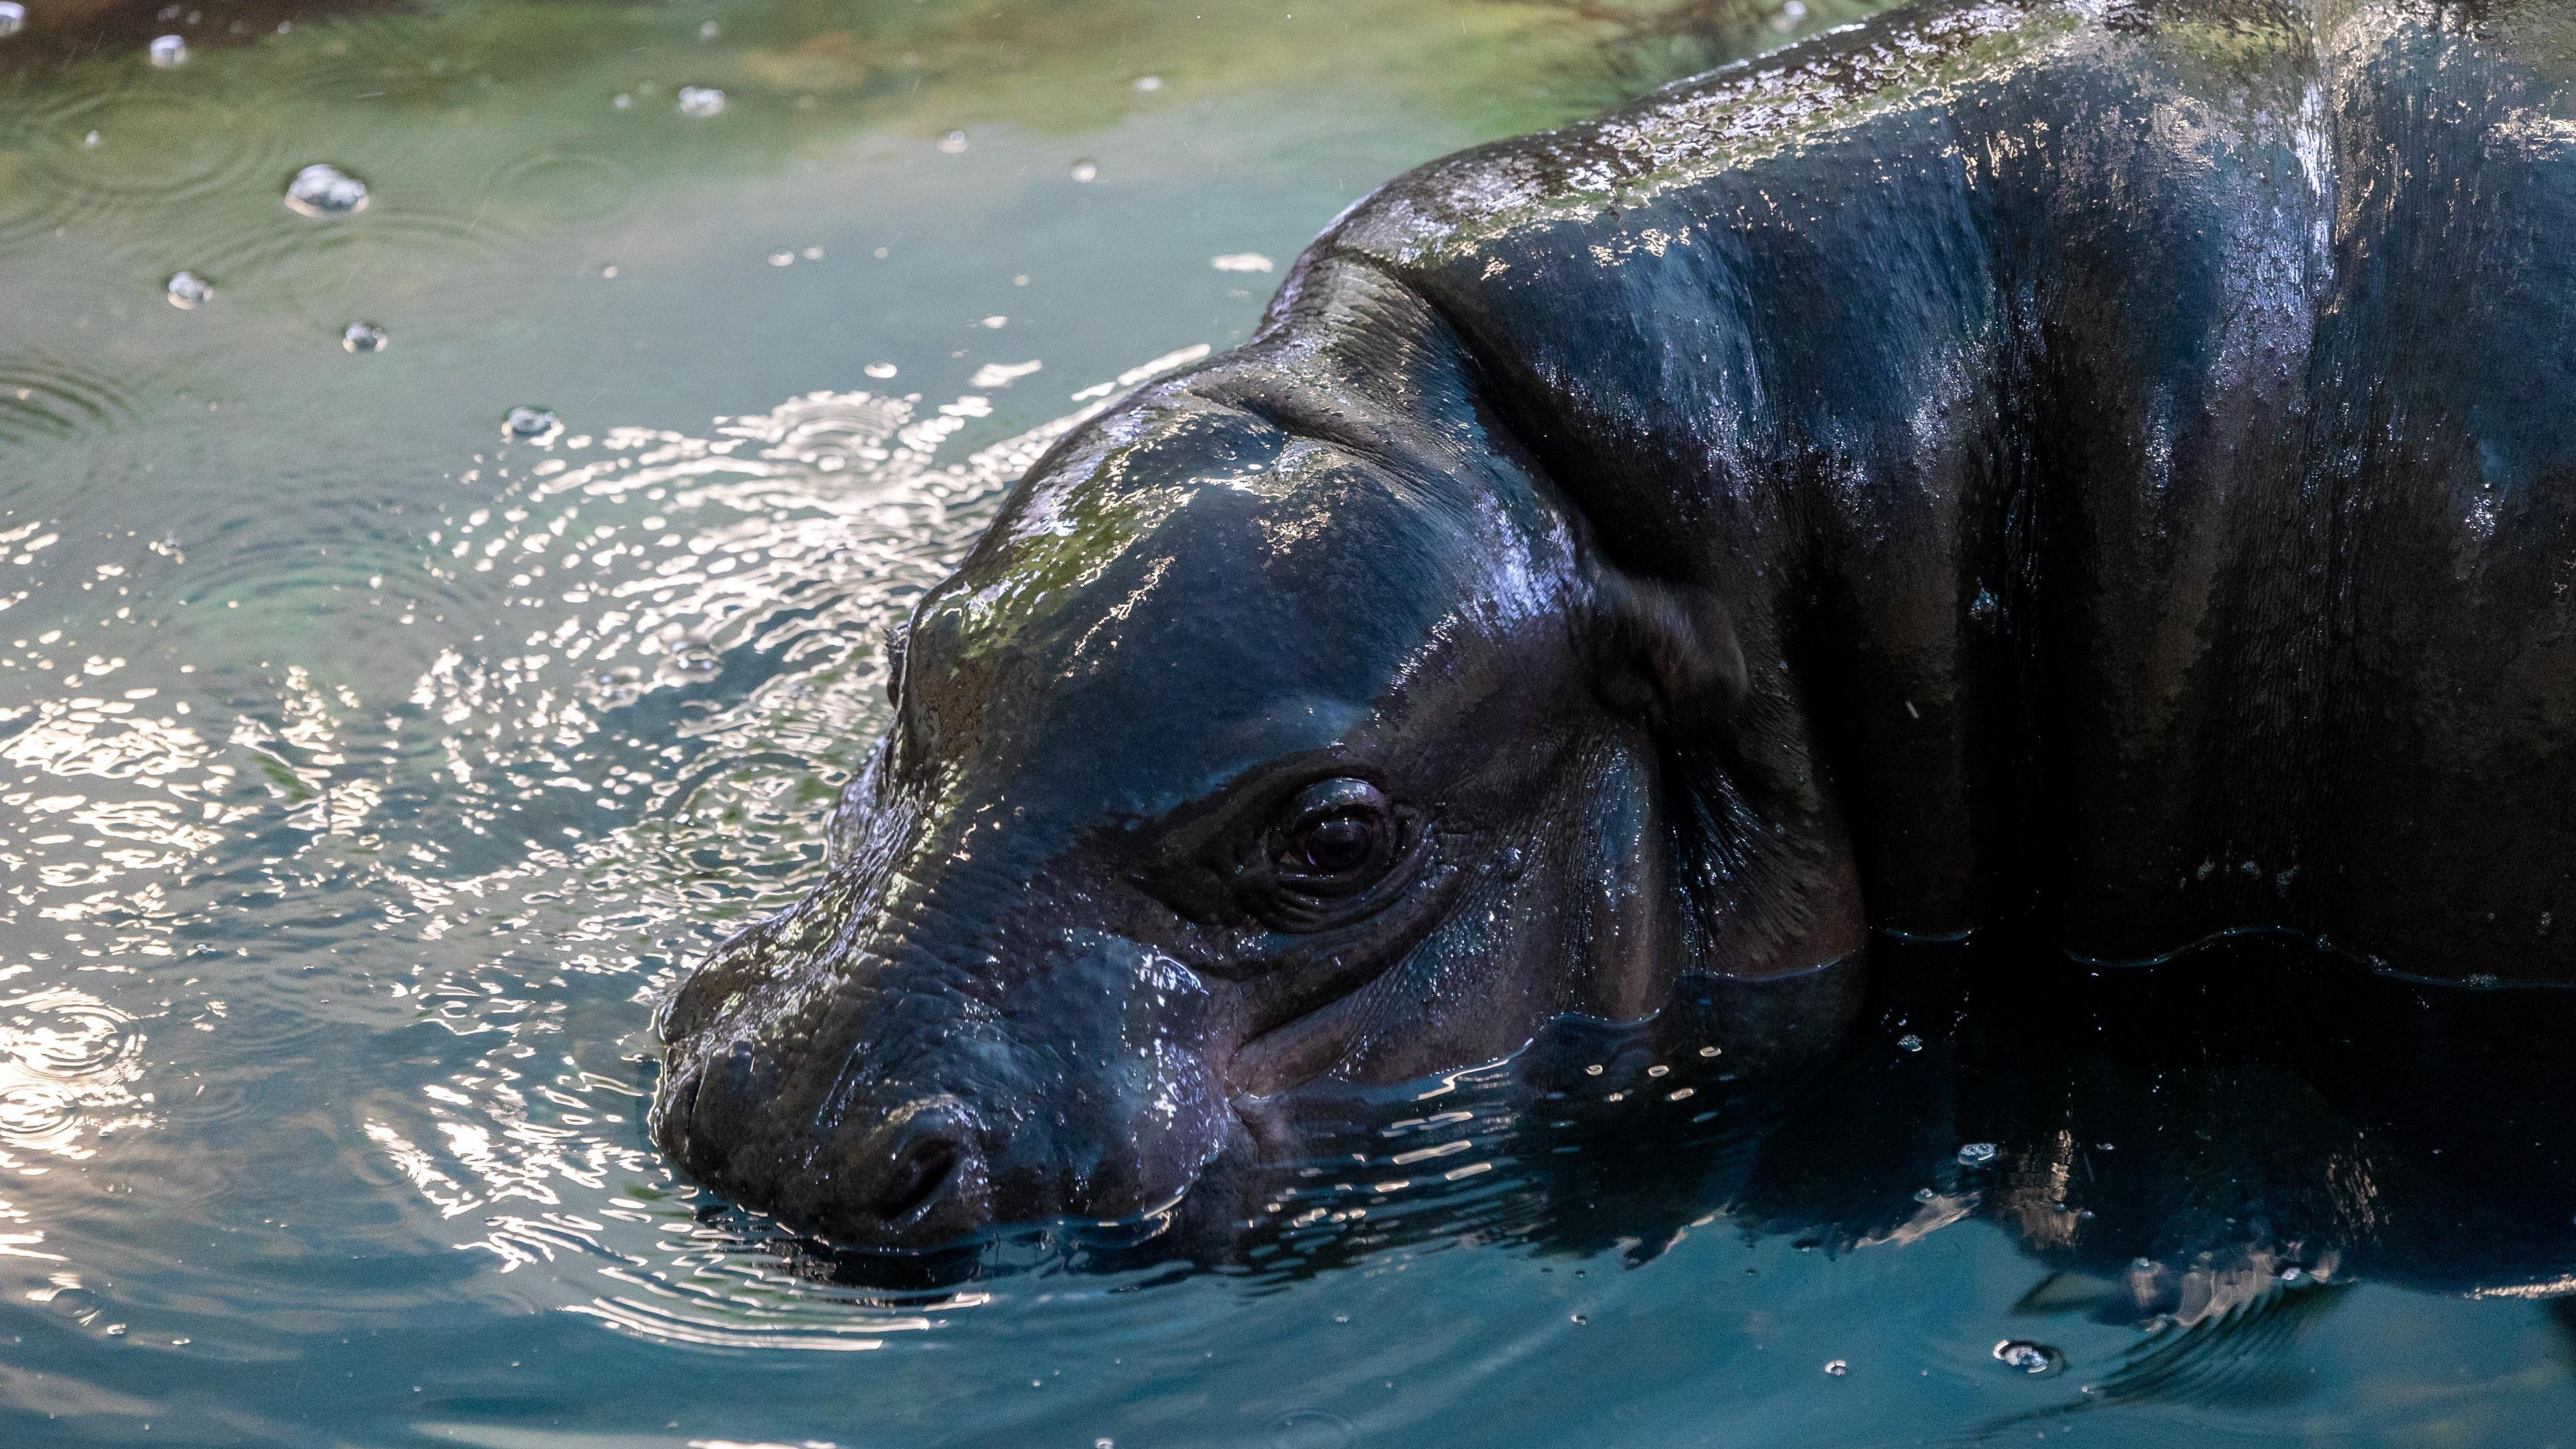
x=365, y=774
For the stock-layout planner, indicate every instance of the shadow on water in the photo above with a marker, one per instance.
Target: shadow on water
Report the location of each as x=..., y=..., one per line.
x=2209, y=1149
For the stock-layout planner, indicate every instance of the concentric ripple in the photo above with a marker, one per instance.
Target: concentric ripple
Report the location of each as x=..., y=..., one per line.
x=103, y=162
x=67, y=1064
x=54, y=399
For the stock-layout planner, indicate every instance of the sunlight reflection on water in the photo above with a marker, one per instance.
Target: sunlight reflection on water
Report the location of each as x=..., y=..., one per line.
x=625, y=752
x=742, y=580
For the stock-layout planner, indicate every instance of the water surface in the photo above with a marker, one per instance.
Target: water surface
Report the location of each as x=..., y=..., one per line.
x=370, y=765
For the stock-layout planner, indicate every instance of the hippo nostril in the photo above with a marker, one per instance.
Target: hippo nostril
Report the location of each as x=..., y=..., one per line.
x=918, y=1175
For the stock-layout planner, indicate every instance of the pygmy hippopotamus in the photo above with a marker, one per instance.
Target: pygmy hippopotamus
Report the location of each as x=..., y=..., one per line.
x=2106, y=465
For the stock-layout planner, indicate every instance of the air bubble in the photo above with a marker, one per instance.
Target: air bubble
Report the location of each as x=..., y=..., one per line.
x=1909, y=1043
x=168, y=50
x=1977, y=1154
x=13, y=17
x=783, y=257
x=701, y=101
x=879, y=370
x=322, y=189
x=1837, y=1367
x=1086, y=170
x=2029, y=1357
x=531, y=424
x=363, y=337
x=188, y=290
x=953, y=142
x=1149, y=83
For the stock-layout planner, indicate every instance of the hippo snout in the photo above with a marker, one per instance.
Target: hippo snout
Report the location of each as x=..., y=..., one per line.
x=915, y=1174
x=886, y=1109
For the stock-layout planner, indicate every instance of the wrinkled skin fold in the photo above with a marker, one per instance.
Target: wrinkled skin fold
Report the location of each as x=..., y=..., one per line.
x=2100, y=467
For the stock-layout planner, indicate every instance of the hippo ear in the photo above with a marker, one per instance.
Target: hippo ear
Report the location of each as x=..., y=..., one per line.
x=1668, y=652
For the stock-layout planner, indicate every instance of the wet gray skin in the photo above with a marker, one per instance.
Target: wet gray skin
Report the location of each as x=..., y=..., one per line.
x=2095, y=466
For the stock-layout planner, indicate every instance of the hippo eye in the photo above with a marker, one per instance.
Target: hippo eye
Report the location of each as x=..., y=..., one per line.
x=1335, y=838
x=1337, y=844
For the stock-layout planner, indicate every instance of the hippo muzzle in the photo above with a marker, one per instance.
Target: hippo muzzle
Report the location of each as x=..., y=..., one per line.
x=898, y=1111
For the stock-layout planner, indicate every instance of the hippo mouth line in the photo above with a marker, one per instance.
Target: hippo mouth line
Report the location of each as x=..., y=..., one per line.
x=1319, y=1021
x=1303, y=1047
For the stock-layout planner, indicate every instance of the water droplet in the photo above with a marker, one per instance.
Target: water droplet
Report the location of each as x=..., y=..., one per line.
x=529, y=424
x=953, y=142
x=168, y=50
x=74, y=1302
x=363, y=337
x=783, y=257
x=187, y=290
x=1837, y=1367
x=701, y=101
x=1909, y=1043
x=1977, y=1154
x=879, y=369
x=322, y=189
x=1086, y=170
x=1149, y=83
x=2029, y=1357
x=13, y=17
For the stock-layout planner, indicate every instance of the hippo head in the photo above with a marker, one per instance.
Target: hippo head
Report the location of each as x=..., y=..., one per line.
x=1269, y=734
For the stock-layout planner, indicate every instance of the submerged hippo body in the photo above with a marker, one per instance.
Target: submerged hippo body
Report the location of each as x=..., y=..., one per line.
x=2104, y=467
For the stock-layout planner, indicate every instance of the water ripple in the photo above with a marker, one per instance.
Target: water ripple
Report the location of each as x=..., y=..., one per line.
x=153, y=155
x=51, y=399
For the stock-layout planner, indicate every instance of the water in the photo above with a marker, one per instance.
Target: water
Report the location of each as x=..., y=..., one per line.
x=378, y=737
